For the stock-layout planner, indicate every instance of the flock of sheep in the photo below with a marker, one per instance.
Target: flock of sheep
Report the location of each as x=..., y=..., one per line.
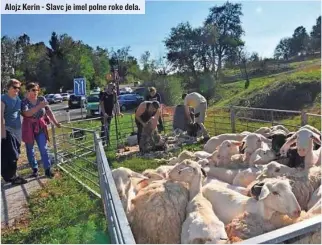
x=241, y=185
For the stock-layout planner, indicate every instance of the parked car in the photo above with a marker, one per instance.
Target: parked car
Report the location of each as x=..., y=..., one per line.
x=129, y=101
x=126, y=90
x=142, y=91
x=92, y=106
x=65, y=96
x=54, y=98
x=76, y=101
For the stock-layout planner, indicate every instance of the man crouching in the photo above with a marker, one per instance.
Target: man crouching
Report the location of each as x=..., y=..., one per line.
x=146, y=119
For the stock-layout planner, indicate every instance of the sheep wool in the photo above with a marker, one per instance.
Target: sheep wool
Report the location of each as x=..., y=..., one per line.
x=158, y=213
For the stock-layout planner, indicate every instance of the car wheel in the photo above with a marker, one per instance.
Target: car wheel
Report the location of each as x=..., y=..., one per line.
x=123, y=108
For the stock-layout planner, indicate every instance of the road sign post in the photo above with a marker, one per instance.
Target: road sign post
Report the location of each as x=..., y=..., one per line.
x=80, y=89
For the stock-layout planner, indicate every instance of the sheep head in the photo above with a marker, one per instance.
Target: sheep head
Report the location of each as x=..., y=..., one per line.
x=275, y=195
x=226, y=149
x=252, y=142
x=304, y=141
x=274, y=169
x=261, y=156
x=186, y=171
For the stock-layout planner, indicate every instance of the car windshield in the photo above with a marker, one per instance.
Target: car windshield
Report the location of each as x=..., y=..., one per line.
x=51, y=96
x=93, y=98
x=64, y=94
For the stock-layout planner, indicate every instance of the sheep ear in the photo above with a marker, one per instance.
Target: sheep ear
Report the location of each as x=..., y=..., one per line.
x=203, y=172
x=142, y=183
x=264, y=193
x=316, y=138
x=242, y=147
x=237, y=143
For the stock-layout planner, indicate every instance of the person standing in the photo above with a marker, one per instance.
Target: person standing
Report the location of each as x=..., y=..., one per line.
x=108, y=105
x=155, y=96
x=11, y=133
x=199, y=105
x=34, y=127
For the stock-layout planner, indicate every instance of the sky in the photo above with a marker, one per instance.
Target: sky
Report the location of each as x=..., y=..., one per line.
x=264, y=23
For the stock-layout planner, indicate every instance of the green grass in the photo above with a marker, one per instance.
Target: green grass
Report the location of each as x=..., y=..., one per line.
x=63, y=212
x=232, y=91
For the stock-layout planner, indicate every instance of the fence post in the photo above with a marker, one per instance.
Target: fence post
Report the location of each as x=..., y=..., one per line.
x=272, y=117
x=132, y=122
x=95, y=141
x=232, y=119
x=303, y=118
x=68, y=115
x=54, y=142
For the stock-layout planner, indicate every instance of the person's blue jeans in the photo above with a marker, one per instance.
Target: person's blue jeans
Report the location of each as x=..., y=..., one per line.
x=42, y=146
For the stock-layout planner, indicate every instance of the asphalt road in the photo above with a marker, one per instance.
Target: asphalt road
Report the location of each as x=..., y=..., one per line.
x=74, y=114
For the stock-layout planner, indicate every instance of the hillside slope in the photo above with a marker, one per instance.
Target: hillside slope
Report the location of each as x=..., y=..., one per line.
x=296, y=90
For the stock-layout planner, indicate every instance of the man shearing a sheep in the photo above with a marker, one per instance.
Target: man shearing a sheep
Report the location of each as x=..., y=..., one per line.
x=199, y=104
x=146, y=119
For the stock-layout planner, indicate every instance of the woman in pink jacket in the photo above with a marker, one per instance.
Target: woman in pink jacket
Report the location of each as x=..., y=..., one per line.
x=34, y=127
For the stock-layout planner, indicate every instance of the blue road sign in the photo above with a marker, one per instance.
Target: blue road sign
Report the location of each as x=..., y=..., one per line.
x=80, y=86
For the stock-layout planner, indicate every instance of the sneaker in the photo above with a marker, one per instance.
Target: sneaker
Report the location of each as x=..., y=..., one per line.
x=18, y=181
x=48, y=173
x=34, y=172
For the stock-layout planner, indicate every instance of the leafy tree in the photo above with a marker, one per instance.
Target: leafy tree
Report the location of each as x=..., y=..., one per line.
x=226, y=20
x=299, y=41
x=316, y=35
x=181, y=50
x=283, y=49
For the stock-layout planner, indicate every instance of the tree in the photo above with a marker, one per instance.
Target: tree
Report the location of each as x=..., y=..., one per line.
x=181, y=49
x=243, y=59
x=283, y=49
x=226, y=20
x=316, y=36
x=299, y=41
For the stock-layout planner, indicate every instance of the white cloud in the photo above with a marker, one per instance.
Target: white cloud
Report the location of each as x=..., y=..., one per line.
x=259, y=10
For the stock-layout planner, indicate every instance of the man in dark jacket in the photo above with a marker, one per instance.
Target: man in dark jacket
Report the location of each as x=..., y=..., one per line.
x=154, y=96
x=109, y=105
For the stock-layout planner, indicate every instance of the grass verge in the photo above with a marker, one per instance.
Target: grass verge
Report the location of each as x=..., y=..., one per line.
x=62, y=212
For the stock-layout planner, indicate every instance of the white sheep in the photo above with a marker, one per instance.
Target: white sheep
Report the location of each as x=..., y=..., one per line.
x=226, y=150
x=152, y=174
x=313, y=129
x=185, y=154
x=248, y=225
x=215, y=141
x=128, y=183
x=303, y=183
x=273, y=196
x=201, y=224
x=304, y=141
x=280, y=127
x=158, y=211
x=252, y=142
x=245, y=177
x=241, y=190
x=236, y=177
x=316, y=196
x=223, y=174
x=173, y=161
x=202, y=154
x=163, y=170
x=264, y=131
x=261, y=156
